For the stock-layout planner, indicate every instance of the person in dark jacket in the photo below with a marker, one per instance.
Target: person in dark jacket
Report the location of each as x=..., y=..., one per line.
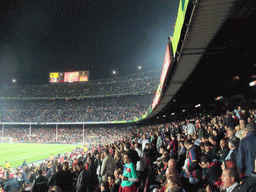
x=223, y=152
x=211, y=171
x=83, y=178
x=247, y=151
x=112, y=185
x=40, y=183
x=60, y=179
x=11, y=184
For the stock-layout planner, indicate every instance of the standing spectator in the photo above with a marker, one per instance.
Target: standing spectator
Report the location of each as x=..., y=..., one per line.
x=108, y=165
x=143, y=141
x=129, y=176
x=191, y=130
x=60, y=179
x=173, y=146
x=11, y=184
x=24, y=164
x=201, y=130
x=247, y=151
x=159, y=141
x=232, y=154
x=194, y=170
x=40, y=183
x=83, y=178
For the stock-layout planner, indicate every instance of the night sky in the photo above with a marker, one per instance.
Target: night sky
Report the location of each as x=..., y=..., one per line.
x=42, y=36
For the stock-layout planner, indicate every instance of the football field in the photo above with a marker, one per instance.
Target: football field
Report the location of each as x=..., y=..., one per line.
x=16, y=153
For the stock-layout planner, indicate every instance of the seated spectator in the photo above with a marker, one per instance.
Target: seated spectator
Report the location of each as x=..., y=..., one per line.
x=211, y=171
x=223, y=152
x=230, y=178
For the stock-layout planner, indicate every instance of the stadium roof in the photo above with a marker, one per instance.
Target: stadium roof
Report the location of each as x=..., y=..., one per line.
x=214, y=47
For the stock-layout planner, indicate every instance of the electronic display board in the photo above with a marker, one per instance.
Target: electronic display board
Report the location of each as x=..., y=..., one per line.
x=77, y=76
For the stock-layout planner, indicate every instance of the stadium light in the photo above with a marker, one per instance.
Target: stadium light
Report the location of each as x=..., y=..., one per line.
x=173, y=114
x=114, y=72
x=253, y=83
x=218, y=98
x=198, y=105
x=139, y=67
x=14, y=80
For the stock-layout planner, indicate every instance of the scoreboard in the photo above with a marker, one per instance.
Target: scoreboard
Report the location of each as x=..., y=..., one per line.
x=77, y=76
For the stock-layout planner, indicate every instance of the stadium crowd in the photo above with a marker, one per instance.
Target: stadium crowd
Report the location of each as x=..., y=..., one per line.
x=117, y=108
x=131, y=84
x=206, y=153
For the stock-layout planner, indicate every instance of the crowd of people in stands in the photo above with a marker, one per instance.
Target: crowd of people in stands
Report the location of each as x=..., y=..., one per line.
x=208, y=153
x=76, y=110
x=131, y=84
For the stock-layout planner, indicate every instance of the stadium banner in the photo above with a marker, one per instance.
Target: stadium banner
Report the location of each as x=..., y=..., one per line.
x=179, y=24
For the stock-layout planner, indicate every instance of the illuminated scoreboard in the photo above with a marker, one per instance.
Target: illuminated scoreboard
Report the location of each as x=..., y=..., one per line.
x=77, y=76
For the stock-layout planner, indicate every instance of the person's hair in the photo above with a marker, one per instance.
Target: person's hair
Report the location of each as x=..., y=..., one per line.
x=173, y=135
x=205, y=159
x=79, y=163
x=105, y=184
x=188, y=142
x=59, y=167
x=208, y=144
x=127, y=145
x=224, y=140
x=174, y=178
x=165, y=158
x=40, y=172
x=251, y=127
x=233, y=173
x=112, y=177
x=233, y=143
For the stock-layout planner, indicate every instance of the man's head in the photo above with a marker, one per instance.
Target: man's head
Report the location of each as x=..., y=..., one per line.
x=229, y=177
x=111, y=179
x=207, y=146
x=232, y=144
x=205, y=161
x=223, y=143
x=40, y=172
x=251, y=127
x=230, y=132
x=188, y=143
x=127, y=157
x=104, y=185
x=79, y=166
x=58, y=167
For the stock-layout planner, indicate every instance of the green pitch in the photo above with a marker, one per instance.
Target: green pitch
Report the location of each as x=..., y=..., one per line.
x=16, y=153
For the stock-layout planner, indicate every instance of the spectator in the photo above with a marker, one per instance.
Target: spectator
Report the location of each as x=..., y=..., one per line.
x=40, y=183
x=247, y=151
x=60, y=179
x=232, y=154
x=112, y=185
x=230, y=178
x=83, y=178
x=211, y=171
x=11, y=184
x=223, y=152
x=129, y=176
x=104, y=186
x=108, y=166
x=194, y=170
x=191, y=130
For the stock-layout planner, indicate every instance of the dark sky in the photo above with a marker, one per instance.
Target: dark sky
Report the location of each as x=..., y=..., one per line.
x=42, y=36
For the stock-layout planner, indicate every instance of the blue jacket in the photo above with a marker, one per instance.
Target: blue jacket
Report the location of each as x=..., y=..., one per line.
x=246, y=154
x=11, y=184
